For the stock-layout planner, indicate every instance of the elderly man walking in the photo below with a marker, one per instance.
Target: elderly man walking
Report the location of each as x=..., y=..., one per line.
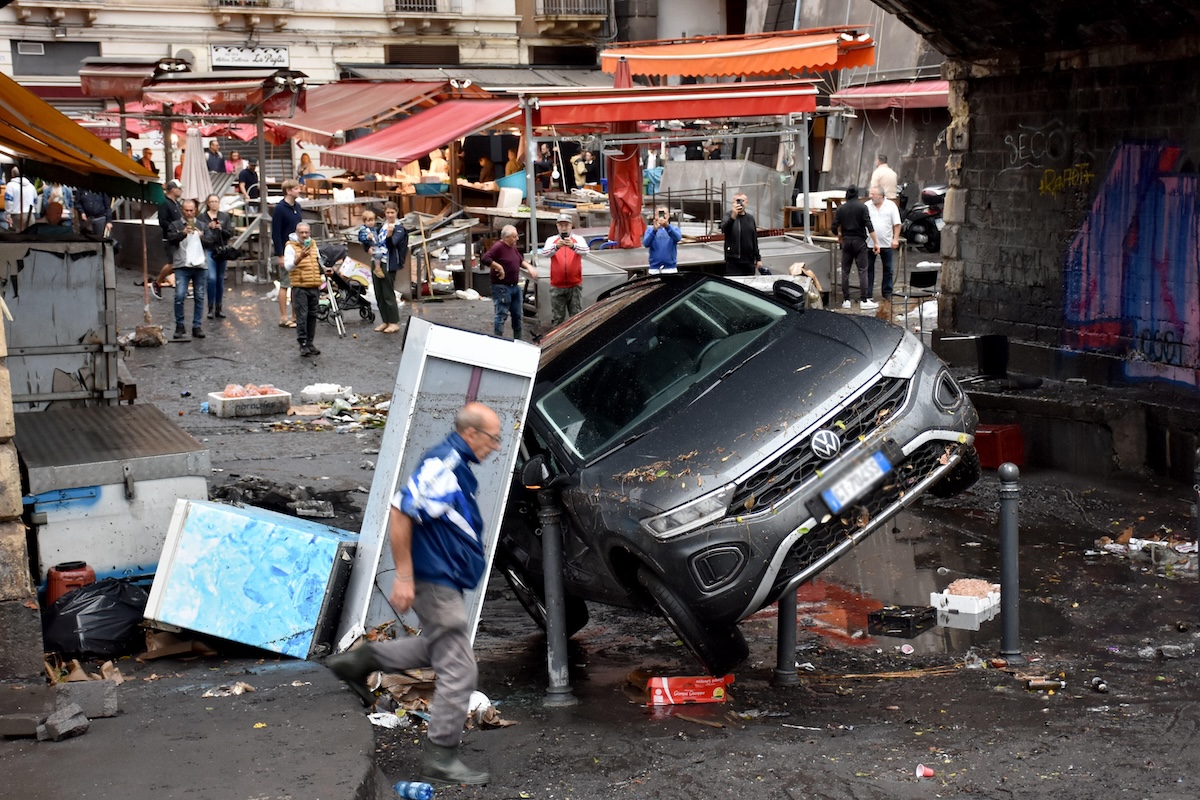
x=436, y=536
x=507, y=262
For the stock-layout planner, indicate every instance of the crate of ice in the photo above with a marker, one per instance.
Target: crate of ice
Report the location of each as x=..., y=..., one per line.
x=963, y=604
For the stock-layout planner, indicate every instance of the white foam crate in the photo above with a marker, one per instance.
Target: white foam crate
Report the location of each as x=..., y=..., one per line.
x=256, y=406
x=963, y=604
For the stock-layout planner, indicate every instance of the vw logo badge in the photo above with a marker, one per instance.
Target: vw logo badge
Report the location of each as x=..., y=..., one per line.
x=826, y=444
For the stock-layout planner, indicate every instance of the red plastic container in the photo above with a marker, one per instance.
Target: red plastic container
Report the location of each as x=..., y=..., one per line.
x=64, y=577
x=997, y=444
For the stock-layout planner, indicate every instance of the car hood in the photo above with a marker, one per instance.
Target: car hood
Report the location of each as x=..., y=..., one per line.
x=798, y=373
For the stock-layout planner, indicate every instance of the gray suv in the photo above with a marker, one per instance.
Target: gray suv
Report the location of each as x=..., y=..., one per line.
x=714, y=447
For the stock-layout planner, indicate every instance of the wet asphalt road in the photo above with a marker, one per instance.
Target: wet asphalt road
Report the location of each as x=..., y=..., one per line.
x=834, y=736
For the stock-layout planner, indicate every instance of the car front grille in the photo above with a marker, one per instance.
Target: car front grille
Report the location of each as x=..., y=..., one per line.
x=884, y=500
x=793, y=467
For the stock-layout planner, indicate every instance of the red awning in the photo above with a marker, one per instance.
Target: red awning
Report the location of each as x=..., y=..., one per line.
x=822, y=50
x=411, y=138
x=907, y=94
x=236, y=95
x=122, y=82
x=695, y=101
x=346, y=105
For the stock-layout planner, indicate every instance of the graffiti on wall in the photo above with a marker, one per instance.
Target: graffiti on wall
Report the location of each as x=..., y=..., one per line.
x=1036, y=147
x=1056, y=181
x=1132, y=272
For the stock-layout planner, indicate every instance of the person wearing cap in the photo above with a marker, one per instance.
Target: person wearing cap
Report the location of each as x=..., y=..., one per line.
x=662, y=241
x=566, y=270
x=168, y=213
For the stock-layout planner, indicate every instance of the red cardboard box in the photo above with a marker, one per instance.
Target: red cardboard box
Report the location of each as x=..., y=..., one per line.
x=674, y=691
x=997, y=444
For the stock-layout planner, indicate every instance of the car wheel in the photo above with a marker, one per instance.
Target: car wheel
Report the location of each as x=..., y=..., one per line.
x=719, y=648
x=962, y=476
x=533, y=600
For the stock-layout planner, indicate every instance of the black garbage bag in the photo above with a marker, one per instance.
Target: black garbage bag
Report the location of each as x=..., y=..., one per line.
x=100, y=619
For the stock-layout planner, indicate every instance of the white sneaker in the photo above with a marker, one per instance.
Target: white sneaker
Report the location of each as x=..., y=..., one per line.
x=868, y=304
x=845, y=304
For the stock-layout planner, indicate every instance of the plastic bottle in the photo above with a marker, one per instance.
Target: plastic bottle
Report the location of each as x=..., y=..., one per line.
x=413, y=790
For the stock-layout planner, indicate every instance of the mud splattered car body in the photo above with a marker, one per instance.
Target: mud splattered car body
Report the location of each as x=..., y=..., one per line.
x=716, y=447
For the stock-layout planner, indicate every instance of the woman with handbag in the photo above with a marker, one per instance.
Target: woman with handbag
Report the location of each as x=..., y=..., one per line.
x=216, y=230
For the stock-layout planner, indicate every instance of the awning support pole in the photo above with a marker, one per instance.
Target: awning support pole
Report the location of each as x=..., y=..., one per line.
x=804, y=170
x=264, y=233
x=531, y=179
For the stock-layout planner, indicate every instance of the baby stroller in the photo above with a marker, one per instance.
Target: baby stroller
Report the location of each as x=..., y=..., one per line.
x=346, y=286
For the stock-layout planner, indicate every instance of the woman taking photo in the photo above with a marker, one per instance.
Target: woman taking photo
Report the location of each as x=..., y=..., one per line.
x=216, y=228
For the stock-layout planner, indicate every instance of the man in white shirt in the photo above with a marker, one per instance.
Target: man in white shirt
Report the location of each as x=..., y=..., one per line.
x=190, y=267
x=885, y=218
x=884, y=177
x=20, y=201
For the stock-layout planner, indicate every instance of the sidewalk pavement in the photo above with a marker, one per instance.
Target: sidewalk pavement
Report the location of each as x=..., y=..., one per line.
x=299, y=734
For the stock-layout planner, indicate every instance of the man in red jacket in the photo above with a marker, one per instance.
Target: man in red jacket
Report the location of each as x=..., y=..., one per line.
x=566, y=270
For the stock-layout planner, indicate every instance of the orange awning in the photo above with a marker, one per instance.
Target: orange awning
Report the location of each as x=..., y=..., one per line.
x=693, y=101
x=409, y=139
x=346, y=105
x=761, y=54
x=906, y=94
x=51, y=144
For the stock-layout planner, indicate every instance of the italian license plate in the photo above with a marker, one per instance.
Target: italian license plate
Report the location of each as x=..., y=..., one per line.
x=851, y=486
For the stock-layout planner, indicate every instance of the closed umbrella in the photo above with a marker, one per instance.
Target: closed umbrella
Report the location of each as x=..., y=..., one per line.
x=197, y=184
x=625, y=179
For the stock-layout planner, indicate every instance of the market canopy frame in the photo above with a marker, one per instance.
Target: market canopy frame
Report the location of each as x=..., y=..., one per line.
x=337, y=107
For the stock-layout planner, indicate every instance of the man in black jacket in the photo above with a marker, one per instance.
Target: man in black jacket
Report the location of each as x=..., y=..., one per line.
x=852, y=225
x=741, y=239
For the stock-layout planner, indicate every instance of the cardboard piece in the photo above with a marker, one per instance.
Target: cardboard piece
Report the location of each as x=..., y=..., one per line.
x=662, y=691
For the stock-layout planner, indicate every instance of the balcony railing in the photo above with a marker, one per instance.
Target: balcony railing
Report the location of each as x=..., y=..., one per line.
x=288, y=5
x=426, y=6
x=572, y=8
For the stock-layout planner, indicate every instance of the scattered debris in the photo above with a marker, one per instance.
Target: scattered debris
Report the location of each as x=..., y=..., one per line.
x=1166, y=551
x=229, y=690
x=63, y=723
x=144, y=336
x=325, y=393
x=163, y=644
x=286, y=498
x=662, y=691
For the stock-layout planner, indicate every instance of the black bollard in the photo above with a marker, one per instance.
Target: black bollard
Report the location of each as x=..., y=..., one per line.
x=1010, y=636
x=785, y=647
x=558, y=693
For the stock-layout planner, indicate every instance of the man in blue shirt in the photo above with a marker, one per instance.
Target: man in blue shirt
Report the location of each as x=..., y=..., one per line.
x=436, y=537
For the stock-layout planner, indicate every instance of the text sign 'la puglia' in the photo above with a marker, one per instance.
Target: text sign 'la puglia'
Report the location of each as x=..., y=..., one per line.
x=232, y=56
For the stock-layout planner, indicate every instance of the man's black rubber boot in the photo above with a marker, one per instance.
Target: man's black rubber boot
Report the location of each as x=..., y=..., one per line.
x=353, y=667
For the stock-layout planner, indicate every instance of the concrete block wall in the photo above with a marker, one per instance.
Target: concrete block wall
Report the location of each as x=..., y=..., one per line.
x=1075, y=226
x=20, y=617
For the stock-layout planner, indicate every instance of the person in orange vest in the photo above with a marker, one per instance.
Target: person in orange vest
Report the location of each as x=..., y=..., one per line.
x=566, y=270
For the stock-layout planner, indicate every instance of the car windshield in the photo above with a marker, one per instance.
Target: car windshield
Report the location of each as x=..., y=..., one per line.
x=640, y=373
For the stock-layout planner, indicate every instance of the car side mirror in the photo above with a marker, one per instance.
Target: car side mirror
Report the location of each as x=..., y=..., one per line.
x=791, y=294
x=536, y=474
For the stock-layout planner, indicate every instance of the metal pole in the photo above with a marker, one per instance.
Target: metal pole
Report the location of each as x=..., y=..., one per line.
x=1010, y=637
x=558, y=693
x=804, y=172
x=785, y=648
x=265, y=248
x=532, y=241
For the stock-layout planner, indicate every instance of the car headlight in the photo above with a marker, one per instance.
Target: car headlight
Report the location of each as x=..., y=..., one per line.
x=904, y=361
x=699, y=512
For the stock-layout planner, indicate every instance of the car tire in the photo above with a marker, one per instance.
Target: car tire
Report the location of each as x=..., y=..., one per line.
x=719, y=648
x=962, y=476
x=533, y=599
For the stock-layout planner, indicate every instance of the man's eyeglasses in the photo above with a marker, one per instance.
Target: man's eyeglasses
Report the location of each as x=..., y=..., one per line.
x=493, y=436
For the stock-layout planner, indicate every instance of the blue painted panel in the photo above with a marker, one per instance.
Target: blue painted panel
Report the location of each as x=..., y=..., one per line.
x=248, y=575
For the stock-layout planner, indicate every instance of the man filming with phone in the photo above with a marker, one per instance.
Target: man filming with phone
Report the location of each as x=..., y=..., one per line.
x=662, y=241
x=741, y=239
x=566, y=270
